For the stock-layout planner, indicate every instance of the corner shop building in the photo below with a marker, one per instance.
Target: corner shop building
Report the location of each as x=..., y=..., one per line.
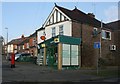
x=61, y=52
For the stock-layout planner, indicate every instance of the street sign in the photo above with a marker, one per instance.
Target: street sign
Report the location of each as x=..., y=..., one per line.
x=96, y=44
x=42, y=45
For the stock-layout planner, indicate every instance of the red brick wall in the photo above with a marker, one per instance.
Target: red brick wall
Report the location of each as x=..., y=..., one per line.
x=89, y=54
x=31, y=42
x=25, y=45
x=117, y=43
x=33, y=49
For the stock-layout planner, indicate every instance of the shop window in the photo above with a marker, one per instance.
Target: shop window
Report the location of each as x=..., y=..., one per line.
x=66, y=54
x=41, y=52
x=74, y=54
x=70, y=54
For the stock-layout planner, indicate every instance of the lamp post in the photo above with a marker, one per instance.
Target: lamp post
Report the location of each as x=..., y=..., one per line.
x=7, y=41
x=1, y=44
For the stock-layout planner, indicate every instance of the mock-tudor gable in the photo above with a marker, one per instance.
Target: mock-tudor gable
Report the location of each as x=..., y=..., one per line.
x=56, y=16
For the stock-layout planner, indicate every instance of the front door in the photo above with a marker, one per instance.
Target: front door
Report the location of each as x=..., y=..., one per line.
x=52, y=55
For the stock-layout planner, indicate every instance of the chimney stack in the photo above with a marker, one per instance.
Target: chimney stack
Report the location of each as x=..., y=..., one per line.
x=22, y=36
x=91, y=15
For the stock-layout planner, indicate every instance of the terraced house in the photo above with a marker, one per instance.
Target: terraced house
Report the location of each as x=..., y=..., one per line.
x=70, y=36
x=23, y=45
x=13, y=45
x=29, y=45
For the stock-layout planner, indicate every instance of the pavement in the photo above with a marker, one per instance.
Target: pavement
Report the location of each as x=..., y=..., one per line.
x=28, y=72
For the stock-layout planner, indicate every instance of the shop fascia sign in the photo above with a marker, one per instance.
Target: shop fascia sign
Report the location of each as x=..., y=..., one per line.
x=56, y=40
x=43, y=45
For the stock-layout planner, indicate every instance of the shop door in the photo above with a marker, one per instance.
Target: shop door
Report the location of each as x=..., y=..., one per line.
x=52, y=56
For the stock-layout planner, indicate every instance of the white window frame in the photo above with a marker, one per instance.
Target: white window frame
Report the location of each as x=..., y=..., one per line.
x=15, y=46
x=95, y=31
x=104, y=37
x=53, y=32
x=95, y=28
x=61, y=32
x=23, y=47
x=27, y=45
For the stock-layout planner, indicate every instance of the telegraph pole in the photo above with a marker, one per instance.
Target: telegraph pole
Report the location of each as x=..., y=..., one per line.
x=101, y=37
x=100, y=47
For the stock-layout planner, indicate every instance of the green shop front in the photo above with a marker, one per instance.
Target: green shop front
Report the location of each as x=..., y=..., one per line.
x=61, y=52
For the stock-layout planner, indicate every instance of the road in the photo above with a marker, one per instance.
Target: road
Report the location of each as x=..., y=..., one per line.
x=28, y=72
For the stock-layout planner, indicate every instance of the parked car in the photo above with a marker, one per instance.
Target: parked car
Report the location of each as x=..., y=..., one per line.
x=17, y=56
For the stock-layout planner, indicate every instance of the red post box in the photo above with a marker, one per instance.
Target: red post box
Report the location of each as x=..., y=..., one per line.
x=12, y=60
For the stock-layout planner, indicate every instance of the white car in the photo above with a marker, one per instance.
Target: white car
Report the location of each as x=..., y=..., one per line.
x=17, y=56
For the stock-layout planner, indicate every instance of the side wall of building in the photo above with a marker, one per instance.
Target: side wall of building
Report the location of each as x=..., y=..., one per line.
x=88, y=53
x=117, y=43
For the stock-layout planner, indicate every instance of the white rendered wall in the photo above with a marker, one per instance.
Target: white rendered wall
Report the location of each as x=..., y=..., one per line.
x=67, y=29
x=39, y=34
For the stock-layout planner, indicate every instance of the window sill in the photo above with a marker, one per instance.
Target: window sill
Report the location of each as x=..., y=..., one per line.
x=106, y=38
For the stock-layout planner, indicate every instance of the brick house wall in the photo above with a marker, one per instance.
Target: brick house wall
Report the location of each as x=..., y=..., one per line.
x=25, y=45
x=32, y=45
x=26, y=50
x=117, y=43
x=15, y=48
x=31, y=41
x=21, y=49
x=115, y=26
x=88, y=53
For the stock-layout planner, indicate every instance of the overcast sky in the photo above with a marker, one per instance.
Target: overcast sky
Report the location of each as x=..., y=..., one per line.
x=25, y=17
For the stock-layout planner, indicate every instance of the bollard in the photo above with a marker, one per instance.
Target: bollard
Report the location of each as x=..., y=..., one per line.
x=12, y=60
